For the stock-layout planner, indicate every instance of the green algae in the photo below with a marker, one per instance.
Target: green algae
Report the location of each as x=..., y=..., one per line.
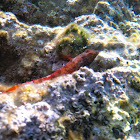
x=134, y=80
x=72, y=41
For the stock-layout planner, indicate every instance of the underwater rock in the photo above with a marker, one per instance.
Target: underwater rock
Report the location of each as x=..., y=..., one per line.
x=29, y=121
x=102, y=100
x=75, y=103
x=106, y=61
x=113, y=12
x=135, y=5
x=50, y=12
x=134, y=81
x=55, y=13
x=21, y=49
x=34, y=46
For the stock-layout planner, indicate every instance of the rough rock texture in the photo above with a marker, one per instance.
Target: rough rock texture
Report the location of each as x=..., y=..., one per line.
x=84, y=101
x=54, y=12
x=50, y=12
x=23, y=45
x=101, y=101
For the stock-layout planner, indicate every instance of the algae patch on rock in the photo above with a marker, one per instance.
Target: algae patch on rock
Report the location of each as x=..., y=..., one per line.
x=134, y=80
x=72, y=41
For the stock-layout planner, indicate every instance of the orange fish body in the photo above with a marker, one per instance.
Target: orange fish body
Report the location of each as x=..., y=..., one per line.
x=81, y=60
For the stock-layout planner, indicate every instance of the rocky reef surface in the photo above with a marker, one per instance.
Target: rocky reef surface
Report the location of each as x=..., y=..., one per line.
x=99, y=101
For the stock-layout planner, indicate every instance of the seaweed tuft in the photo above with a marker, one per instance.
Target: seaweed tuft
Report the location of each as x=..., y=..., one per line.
x=72, y=41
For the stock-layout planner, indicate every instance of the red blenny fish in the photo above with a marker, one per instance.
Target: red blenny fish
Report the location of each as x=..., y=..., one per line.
x=74, y=64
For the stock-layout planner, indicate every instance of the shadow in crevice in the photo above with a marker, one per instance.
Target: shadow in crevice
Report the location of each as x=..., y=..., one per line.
x=7, y=58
